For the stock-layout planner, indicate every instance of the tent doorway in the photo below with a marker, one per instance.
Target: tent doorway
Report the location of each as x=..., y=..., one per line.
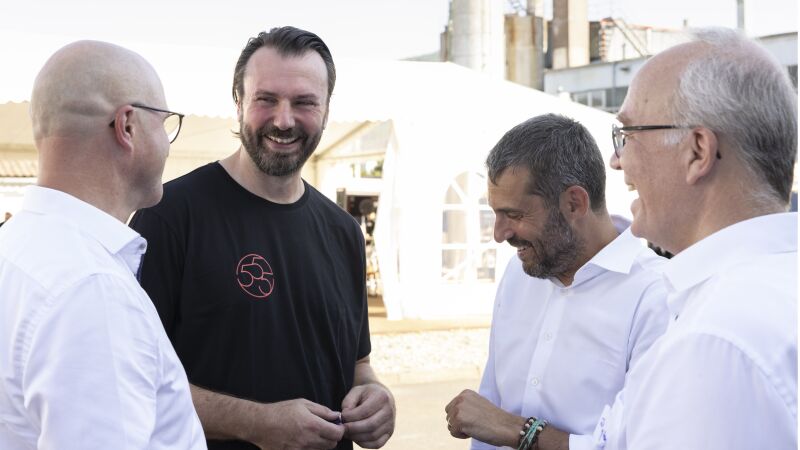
x=364, y=207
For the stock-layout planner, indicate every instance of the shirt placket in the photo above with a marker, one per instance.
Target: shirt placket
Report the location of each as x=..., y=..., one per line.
x=548, y=332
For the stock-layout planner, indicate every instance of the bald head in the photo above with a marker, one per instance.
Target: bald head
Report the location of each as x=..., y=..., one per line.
x=80, y=86
x=731, y=85
x=81, y=90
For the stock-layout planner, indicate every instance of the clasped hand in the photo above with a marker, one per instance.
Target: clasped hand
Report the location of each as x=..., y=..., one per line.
x=469, y=415
x=368, y=413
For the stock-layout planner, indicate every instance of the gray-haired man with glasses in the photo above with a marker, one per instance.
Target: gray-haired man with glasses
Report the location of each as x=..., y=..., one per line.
x=86, y=363
x=724, y=376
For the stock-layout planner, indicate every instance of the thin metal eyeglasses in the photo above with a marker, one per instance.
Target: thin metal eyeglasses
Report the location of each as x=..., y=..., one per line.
x=618, y=134
x=172, y=122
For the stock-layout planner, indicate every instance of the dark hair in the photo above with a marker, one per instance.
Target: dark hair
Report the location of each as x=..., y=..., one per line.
x=558, y=152
x=288, y=41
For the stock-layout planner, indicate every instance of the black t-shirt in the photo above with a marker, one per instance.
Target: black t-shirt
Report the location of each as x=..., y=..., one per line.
x=262, y=301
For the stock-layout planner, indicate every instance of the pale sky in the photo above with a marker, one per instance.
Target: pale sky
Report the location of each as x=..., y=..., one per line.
x=182, y=37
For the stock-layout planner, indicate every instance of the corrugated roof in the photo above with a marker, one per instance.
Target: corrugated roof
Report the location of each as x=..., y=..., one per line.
x=18, y=168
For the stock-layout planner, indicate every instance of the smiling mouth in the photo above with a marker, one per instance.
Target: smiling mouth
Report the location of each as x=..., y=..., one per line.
x=283, y=141
x=631, y=187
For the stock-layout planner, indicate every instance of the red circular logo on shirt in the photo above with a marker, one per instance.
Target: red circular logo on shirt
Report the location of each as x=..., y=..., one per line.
x=254, y=275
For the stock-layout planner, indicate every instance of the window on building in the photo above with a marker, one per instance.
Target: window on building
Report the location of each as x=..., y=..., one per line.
x=581, y=97
x=595, y=99
x=469, y=252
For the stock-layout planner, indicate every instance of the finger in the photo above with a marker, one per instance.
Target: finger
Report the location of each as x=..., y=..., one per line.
x=322, y=411
x=374, y=427
x=370, y=428
x=364, y=440
x=450, y=405
x=460, y=398
x=330, y=431
x=458, y=435
x=378, y=443
x=321, y=435
x=352, y=398
x=370, y=404
x=383, y=413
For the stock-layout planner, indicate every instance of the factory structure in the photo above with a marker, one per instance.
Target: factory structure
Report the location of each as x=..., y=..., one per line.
x=589, y=61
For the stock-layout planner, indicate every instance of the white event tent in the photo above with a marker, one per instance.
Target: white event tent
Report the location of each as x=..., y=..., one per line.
x=431, y=126
x=433, y=233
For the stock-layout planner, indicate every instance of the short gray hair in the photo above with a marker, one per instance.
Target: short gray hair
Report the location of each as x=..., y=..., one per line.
x=743, y=94
x=558, y=152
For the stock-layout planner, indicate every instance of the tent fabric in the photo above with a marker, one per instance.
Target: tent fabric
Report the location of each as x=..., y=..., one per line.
x=440, y=120
x=446, y=118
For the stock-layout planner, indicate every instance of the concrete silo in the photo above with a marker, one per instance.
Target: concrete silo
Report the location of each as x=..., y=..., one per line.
x=475, y=36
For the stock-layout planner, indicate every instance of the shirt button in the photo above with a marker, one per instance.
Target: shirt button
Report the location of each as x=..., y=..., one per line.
x=535, y=381
x=548, y=336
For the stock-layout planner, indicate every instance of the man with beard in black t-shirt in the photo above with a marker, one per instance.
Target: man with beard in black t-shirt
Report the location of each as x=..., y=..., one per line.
x=260, y=280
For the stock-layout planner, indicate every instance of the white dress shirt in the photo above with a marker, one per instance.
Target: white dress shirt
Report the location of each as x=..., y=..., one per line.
x=561, y=353
x=724, y=376
x=84, y=360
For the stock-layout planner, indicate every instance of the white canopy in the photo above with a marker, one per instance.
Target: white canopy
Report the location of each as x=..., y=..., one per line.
x=433, y=229
x=435, y=123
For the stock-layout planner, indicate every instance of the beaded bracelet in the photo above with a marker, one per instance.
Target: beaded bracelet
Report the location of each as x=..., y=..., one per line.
x=524, y=431
x=530, y=433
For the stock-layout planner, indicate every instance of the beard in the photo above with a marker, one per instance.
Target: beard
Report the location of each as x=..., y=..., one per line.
x=555, y=251
x=271, y=162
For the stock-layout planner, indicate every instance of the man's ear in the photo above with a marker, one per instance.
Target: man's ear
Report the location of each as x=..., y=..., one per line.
x=124, y=127
x=574, y=202
x=702, y=154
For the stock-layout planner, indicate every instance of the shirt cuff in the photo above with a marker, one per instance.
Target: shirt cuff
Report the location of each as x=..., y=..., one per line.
x=581, y=442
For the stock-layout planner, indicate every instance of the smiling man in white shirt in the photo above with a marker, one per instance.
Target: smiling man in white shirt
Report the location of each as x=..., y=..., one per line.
x=84, y=360
x=576, y=310
x=709, y=141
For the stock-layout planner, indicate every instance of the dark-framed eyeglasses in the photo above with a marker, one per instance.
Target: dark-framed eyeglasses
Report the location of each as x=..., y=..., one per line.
x=172, y=121
x=618, y=134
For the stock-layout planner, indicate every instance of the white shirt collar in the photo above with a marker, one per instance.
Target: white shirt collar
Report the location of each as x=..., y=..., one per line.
x=618, y=256
x=112, y=234
x=772, y=233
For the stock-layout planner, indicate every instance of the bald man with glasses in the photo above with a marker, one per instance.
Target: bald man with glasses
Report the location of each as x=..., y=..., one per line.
x=172, y=121
x=84, y=360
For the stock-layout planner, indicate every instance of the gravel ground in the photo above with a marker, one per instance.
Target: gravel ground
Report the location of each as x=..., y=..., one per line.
x=400, y=358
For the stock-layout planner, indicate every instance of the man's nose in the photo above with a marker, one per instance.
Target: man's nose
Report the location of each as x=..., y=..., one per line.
x=614, y=162
x=501, y=231
x=284, y=116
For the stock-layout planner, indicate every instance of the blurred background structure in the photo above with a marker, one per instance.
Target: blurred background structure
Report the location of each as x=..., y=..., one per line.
x=408, y=132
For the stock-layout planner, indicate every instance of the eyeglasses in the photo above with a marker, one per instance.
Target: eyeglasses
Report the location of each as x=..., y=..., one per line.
x=172, y=122
x=618, y=134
